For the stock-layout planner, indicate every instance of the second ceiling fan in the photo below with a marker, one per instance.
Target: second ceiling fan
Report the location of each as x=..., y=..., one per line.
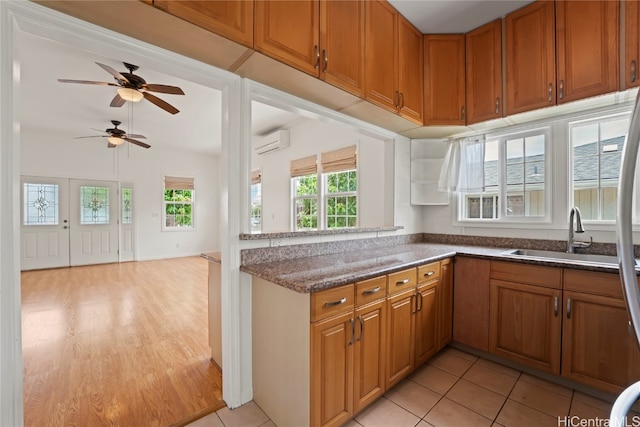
x=133, y=88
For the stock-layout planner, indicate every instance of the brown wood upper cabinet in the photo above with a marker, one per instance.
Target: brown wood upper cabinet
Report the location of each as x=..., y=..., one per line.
x=323, y=38
x=484, y=72
x=587, y=48
x=530, y=58
x=444, y=79
x=229, y=18
x=393, y=61
x=632, y=43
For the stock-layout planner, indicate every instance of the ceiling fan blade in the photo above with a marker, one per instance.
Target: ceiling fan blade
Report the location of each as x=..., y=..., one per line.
x=87, y=82
x=117, y=101
x=160, y=103
x=113, y=72
x=174, y=90
x=139, y=143
x=99, y=130
x=91, y=136
x=133, y=135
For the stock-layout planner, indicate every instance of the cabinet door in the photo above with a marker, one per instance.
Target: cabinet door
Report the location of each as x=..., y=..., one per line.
x=400, y=333
x=369, y=354
x=381, y=54
x=289, y=32
x=426, y=322
x=445, y=303
x=587, y=48
x=410, y=68
x=530, y=57
x=525, y=324
x=598, y=348
x=332, y=370
x=342, y=43
x=444, y=79
x=471, y=302
x=228, y=18
x=484, y=72
x=632, y=43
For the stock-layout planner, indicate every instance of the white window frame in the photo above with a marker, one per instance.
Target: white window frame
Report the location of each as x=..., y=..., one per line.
x=295, y=198
x=593, y=119
x=325, y=199
x=501, y=195
x=192, y=202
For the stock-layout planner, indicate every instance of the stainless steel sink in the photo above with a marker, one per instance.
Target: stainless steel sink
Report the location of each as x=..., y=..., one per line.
x=607, y=260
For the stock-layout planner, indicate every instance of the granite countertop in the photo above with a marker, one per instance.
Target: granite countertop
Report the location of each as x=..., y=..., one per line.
x=315, y=273
x=212, y=256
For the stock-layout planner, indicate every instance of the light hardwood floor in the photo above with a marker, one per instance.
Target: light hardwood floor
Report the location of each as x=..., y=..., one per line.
x=118, y=345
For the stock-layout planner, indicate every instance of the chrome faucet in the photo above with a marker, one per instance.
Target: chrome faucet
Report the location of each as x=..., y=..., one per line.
x=572, y=243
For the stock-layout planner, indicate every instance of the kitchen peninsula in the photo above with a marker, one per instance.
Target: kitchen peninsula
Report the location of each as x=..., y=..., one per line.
x=335, y=331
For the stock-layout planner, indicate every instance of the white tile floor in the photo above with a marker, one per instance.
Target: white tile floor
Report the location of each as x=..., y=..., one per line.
x=456, y=389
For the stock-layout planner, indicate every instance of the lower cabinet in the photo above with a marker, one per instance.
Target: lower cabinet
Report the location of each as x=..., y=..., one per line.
x=471, y=292
x=598, y=347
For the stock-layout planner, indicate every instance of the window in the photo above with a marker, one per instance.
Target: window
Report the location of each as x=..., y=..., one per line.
x=596, y=149
x=304, y=181
x=513, y=178
x=127, y=208
x=94, y=205
x=340, y=188
x=178, y=202
x=256, y=201
x=40, y=204
x=340, y=199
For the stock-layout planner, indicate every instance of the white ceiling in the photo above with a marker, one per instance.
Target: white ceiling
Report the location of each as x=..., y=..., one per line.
x=66, y=111
x=454, y=16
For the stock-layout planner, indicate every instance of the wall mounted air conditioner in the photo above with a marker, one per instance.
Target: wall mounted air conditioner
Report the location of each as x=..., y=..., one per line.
x=273, y=142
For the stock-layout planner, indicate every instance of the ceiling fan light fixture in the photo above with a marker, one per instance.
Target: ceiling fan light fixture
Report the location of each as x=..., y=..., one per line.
x=129, y=94
x=115, y=140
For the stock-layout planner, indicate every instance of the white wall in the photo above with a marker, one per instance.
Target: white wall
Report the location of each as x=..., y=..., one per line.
x=375, y=169
x=44, y=155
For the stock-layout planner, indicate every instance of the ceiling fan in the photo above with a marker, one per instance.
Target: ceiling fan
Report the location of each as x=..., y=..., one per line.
x=133, y=88
x=117, y=136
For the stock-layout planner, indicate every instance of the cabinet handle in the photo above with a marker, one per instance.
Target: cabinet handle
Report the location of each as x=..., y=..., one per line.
x=497, y=105
x=401, y=100
x=411, y=302
x=462, y=113
x=402, y=282
x=397, y=99
x=419, y=297
x=633, y=71
x=561, y=89
x=326, y=60
x=550, y=92
x=555, y=306
x=371, y=291
x=334, y=303
x=317, y=50
x=568, y=308
x=353, y=330
x=429, y=273
x=361, y=327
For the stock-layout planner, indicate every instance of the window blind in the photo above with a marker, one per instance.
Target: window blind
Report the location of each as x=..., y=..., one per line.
x=256, y=177
x=178, y=183
x=304, y=166
x=339, y=160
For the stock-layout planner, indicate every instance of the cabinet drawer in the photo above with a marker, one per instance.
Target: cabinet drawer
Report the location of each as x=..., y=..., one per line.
x=428, y=272
x=549, y=277
x=331, y=301
x=593, y=282
x=370, y=290
x=402, y=280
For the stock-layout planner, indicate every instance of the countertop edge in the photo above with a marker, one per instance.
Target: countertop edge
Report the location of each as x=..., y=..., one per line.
x=212, y=256
x=265, y=271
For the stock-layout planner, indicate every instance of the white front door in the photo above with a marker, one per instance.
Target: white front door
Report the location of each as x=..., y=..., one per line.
x=127, y=225
x=93, y=222
x=45, y=223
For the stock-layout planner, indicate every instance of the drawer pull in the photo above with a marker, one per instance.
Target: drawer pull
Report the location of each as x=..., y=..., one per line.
x=429, y=273
x=402, y=282
x=334, y=303
x=371, y=291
